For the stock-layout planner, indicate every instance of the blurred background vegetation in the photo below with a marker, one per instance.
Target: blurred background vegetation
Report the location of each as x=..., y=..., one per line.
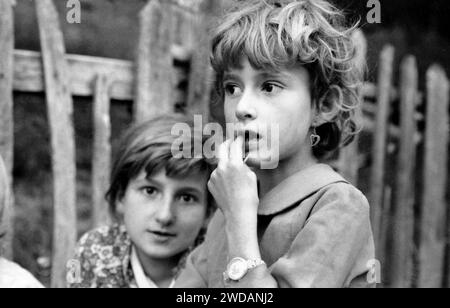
x=109, y=28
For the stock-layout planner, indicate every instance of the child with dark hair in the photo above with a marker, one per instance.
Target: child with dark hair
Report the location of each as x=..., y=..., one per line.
x=161, y=205
x=11, y=274
x=290, y=65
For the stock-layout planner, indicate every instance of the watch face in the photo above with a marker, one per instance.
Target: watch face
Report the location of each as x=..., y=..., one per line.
x=237, y=269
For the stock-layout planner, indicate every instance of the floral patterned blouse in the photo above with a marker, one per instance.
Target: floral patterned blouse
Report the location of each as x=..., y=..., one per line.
x=103, y=260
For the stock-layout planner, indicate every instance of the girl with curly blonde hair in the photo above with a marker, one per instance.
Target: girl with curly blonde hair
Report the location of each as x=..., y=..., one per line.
x=290, y=65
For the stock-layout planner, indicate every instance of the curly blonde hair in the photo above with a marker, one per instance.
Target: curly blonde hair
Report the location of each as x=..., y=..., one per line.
x=276, y=35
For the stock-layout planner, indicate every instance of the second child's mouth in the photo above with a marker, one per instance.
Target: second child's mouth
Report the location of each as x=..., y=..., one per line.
x=161, y=233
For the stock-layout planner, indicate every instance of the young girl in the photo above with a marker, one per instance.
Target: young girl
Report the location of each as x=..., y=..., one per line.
x=11, y=274
x=289, y=65
x=161, y=205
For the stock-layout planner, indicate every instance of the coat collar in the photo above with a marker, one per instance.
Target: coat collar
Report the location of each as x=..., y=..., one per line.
x=297, y=188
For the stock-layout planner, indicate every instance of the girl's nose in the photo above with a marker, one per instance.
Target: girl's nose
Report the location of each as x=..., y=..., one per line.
x=166, y=214
x=245, y=110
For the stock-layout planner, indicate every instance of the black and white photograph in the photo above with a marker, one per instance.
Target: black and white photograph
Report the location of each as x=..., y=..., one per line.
x=213, y=146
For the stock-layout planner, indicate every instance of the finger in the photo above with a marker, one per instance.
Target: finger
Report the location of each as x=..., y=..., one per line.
x=224, y=153
x=236, y=150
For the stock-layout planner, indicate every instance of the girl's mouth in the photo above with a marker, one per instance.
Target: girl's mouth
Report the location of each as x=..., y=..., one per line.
x=162, y=235
x=251, y=140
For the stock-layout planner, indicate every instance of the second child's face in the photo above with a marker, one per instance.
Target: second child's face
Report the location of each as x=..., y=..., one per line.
x=256, y=98
x=163, y=216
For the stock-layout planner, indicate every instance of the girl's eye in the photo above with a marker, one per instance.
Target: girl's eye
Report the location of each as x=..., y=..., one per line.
x=186, y=198
x=271, y=88
x=232, y=90
x=150, y=191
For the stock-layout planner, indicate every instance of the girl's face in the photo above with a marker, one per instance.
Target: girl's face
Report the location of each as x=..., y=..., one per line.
x=163, y=216
x=257, y=98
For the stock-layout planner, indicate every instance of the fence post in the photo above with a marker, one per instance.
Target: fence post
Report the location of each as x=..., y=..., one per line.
x=201, y=75
x=403, y=220
x=6, y=111
x=4, y=203
x=60, y=112
x=434, y=206
x=154, y=84
x=183, y=23
x=101, y=162
x=379, y=148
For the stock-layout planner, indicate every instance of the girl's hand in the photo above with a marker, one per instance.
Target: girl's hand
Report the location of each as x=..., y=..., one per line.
x=234, y=186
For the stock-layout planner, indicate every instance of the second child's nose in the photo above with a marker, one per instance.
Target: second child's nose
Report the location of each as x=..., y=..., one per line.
x=245, y=110
x=166, y=215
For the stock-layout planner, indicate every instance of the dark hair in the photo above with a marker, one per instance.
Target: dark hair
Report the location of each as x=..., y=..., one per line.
x=148, y=147
x=281, y=34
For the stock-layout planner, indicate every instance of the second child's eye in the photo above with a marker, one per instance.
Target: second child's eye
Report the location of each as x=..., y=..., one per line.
x=150, y=191
x=187, y=198
x=271, y=88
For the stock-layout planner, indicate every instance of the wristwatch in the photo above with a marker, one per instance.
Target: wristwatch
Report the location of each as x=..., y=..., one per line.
x=239, y=267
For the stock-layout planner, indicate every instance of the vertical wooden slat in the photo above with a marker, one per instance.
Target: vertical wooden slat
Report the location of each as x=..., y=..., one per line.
x=4, y=203
x=182, y=51
x=101, y=163
x=349, y=156
x=380, y=138
x=154, y=84
x=6, y=109
x=403, y=235
x=434, y=206
x=60, y=113
x=201, y=76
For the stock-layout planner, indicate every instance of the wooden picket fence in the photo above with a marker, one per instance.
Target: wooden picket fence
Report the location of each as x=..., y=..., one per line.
x=410, y=229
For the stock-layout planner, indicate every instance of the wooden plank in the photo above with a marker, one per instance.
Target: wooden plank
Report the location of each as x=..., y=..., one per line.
x=182, y=52
x=6, y=110
x=101, y=163
x=385, y=234
x=29, y=74
x=393, y=131
x=403, y=224
x=60, y=112
x=379, y=147
x=4, y=204
x=154, y=71
x=201, y=75
x=434, y=205
x=189, y=6
x=183, y=22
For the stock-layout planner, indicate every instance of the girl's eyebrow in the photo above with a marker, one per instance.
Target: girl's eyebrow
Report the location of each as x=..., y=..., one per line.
x=147, y=181
x=230, y=76
x=268, y=75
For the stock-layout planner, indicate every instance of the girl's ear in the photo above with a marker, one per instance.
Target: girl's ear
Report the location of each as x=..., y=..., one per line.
x=318, y=121
x=318, y=117
x=326, y=109
x=323, y=116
